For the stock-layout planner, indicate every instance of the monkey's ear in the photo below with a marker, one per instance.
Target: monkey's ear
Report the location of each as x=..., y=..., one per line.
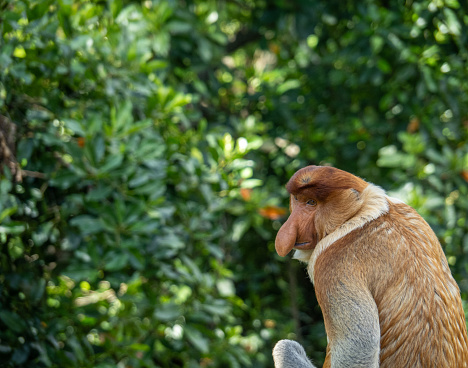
x=356, y=194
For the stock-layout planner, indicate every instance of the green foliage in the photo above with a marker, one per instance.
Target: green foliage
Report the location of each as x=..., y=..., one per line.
x=155, y=139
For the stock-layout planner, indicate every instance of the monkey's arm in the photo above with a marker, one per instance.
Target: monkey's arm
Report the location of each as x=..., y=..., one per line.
x=352, y=323
x=290, y=354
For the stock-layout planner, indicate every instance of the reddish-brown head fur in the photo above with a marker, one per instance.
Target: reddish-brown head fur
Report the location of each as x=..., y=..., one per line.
x=319, y=182
x=322, y=198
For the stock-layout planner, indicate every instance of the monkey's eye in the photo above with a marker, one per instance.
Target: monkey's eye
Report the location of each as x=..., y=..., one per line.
x=295, y=198
x=311, y=202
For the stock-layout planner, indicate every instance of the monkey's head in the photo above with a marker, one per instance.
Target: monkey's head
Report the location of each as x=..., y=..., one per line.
x=322, y=198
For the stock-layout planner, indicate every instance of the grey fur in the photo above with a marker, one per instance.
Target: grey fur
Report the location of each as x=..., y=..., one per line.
x=290, y=354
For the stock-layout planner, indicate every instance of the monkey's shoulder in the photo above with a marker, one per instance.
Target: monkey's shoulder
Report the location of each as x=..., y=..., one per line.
x=398, y=231
x=400, y=235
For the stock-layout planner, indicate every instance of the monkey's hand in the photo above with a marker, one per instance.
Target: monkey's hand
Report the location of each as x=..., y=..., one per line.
x=290, y=354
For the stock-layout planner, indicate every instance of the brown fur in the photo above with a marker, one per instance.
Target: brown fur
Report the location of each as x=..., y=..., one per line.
x=318, y=182
x=385, y=282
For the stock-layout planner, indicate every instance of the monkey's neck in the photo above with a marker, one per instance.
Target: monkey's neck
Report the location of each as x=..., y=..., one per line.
x=375, y=204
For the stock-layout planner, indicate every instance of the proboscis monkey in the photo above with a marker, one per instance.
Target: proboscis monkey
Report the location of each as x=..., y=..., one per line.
x=381, y=278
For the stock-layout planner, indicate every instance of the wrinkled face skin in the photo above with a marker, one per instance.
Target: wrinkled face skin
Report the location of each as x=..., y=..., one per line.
x=322, y=198
x=298, y=231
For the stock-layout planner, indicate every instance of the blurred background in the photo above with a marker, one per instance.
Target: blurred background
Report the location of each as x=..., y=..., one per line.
x=144, y=149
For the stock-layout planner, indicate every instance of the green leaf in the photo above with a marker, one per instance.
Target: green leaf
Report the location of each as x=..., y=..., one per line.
x=226, y=287
x=115, y=261
x=87, y=224
x=178, y=27
x=453, y=23
x=20, y=355
x=288, y=85
x=217, y=308
x=75, y=126
x=239, y=229
x=167, y=312
x=429, y=79
x=99, y=193
x=111, y=163
x=64, y=179
x=251, y=183
x=12, y=321
x=196, y=339
x=7, y=212
x=390, y=157
x=12, y=228
x=377, y=43
x=122, y=116
x=140, y=347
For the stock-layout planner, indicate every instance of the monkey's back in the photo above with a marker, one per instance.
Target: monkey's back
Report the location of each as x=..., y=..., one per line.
x=422, y=323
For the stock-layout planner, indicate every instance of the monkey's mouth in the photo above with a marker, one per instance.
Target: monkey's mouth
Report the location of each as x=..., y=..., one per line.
x=304, y=246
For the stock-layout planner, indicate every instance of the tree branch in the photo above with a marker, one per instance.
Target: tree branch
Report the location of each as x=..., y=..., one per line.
x=7, y=148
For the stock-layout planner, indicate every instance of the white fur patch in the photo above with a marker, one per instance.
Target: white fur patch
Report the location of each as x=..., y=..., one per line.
x=375, y=205
x=303, y=255
x=395, y=200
